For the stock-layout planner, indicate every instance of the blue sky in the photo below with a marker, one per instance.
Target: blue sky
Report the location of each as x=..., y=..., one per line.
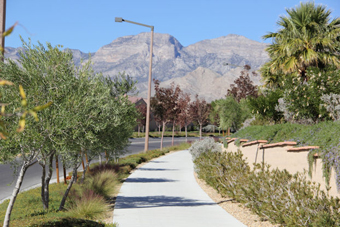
x=88, y=25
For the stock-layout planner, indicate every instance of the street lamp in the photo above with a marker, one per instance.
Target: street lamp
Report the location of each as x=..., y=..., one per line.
x=146, y=147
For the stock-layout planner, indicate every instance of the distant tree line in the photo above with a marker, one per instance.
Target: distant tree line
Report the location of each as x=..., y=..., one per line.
x=172, y=105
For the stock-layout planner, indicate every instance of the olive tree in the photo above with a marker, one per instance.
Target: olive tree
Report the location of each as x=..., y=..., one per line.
x=85, y=115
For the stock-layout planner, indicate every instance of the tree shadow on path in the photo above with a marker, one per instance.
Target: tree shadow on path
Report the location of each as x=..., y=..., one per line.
x=156, y=169
x=148, y=180
x=157, y=201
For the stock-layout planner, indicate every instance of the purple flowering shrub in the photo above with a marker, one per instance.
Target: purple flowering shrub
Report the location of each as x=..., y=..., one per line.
x=331, y=159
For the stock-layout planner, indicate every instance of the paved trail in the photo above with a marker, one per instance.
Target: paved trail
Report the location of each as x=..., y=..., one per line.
x=164, y=193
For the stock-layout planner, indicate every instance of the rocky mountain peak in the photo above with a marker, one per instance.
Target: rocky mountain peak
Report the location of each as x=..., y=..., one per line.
x=197, y=68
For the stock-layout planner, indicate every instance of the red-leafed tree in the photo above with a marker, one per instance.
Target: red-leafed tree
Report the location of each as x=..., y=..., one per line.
x=158, y=122
x=165, y=105
x=243, y=86
x=184, y=117
x=142, y=116
x=200, y=111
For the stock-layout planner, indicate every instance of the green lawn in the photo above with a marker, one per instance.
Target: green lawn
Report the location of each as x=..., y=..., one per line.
x=28, y=209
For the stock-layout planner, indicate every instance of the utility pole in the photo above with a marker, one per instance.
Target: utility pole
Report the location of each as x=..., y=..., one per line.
x=2, y=25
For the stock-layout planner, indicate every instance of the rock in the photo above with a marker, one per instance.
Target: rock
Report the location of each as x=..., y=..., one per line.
x=197, y=68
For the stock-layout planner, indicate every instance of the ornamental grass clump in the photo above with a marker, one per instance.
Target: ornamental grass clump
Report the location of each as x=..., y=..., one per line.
x=97, y=168
x=89, y=199
x=90, y=206
x=103, y=183
x=275, y=195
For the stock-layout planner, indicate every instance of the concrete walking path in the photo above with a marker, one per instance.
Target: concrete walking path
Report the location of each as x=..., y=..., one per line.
x=164, y=193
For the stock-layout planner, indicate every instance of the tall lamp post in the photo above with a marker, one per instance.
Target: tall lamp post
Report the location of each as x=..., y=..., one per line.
x=146, y=147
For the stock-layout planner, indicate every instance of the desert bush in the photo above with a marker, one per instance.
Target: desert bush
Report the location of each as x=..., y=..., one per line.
x=275, y=195
x=282, y=107
x=207, y=144
x=332, y=105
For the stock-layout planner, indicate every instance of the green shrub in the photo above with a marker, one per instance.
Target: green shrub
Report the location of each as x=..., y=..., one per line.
x=263, y=106
x=323, y=134
x=274, y=195
x=303, y=98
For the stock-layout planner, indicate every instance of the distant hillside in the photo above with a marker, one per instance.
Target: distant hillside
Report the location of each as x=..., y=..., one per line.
x=197, y=68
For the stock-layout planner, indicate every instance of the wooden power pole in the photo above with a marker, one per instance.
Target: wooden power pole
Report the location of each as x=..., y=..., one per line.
x=2, y=24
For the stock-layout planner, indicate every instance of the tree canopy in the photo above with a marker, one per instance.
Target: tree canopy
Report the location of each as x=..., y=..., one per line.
x=90, y=113
x=307, y=37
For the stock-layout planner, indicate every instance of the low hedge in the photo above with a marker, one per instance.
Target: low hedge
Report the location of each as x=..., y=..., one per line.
x=274, y=195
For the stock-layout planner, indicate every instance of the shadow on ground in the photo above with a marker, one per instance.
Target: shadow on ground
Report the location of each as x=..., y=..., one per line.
x=157, y=201
x=154, y=169
x=148, y=180
x=158, y=162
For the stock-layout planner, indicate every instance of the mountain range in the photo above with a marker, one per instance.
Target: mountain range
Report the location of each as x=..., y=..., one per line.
x=198, y=68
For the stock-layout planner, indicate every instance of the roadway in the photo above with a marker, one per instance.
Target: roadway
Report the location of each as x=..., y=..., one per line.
x=33, y=174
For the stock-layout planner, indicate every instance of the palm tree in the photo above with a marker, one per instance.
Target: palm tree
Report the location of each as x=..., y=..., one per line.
x=271, y=80
x=307, y=37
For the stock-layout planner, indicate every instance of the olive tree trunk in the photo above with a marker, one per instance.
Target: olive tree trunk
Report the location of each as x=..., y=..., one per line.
x=16, y=190
x=73, y=179
x=45, y=180
x=76, y=164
